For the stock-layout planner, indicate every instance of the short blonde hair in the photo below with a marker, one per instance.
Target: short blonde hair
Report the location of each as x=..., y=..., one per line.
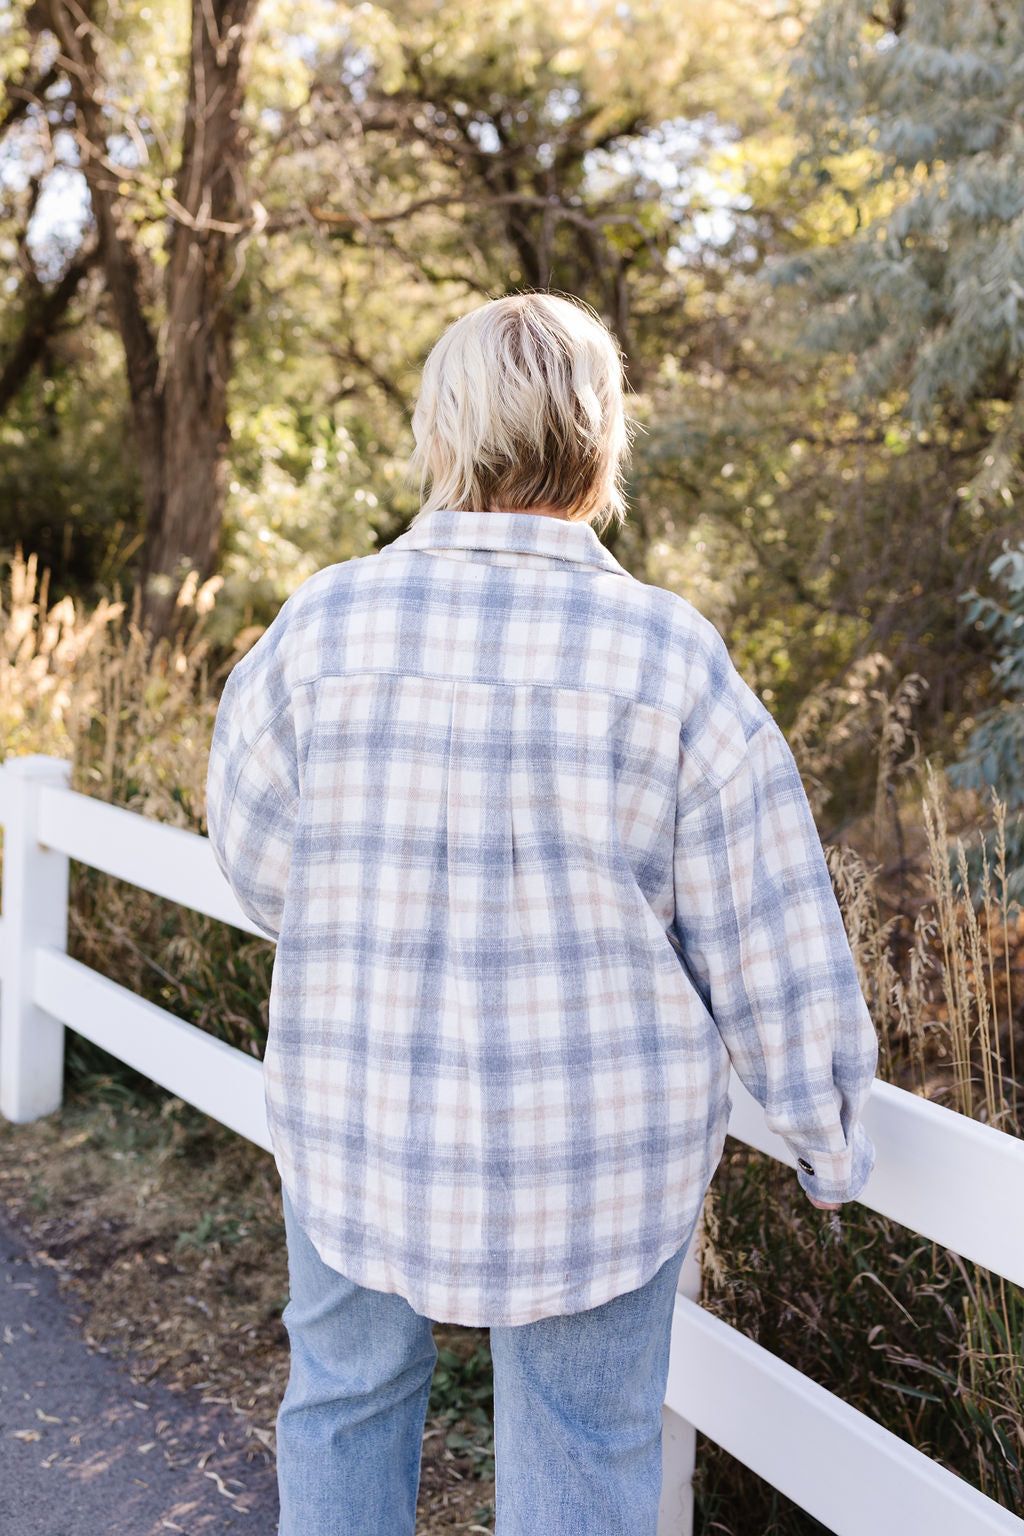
x=522, y=406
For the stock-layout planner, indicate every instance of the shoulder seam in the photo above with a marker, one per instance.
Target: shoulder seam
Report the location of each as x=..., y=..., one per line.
x=717, y=790
x=482, y=682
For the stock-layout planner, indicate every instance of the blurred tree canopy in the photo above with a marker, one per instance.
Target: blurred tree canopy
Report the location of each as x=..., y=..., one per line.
x=803, y=224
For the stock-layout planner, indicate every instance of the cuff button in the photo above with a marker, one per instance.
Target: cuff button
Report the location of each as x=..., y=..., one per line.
x=805, y=1165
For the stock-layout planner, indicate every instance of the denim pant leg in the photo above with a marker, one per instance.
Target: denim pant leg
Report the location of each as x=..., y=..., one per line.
x=577, y=1415
x=350, y=1425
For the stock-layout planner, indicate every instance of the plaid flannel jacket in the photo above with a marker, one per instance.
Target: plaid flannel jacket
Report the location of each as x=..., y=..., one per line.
x=538, y=864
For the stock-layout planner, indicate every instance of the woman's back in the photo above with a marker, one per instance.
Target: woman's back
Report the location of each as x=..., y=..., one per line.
x=494, y=1084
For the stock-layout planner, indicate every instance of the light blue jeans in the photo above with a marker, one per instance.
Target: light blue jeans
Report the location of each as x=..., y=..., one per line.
x=577, y=1409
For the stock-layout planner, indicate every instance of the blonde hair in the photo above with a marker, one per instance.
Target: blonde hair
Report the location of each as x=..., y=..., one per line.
x=521, y=406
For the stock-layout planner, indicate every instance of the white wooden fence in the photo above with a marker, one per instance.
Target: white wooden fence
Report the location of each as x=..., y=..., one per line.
x=945, y=1176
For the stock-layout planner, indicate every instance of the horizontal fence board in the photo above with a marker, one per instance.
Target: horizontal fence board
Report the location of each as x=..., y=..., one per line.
x=937, y=1172
x=835, y=1462
x=168, y=861
x=209, y=1073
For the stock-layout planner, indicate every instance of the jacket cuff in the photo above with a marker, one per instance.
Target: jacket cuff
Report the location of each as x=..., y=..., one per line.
x=835, y=1177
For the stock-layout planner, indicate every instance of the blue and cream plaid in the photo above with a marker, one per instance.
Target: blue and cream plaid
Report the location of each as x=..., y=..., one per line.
x=538, y=863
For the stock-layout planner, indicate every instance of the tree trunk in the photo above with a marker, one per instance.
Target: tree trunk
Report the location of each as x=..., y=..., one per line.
x=72, y=23
x=178, y=389
x=196, y=367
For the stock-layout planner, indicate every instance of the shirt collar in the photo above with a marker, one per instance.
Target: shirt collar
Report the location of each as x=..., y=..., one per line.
x=527, y=533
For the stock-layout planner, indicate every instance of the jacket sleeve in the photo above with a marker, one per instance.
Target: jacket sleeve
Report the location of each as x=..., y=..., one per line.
x=763, y=938
x=252, y=795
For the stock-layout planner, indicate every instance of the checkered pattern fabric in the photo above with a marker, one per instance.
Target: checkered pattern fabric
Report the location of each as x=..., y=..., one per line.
x=538, y=864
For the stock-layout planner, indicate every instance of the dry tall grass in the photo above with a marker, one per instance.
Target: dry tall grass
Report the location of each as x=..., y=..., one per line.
x=135, y=722
x=939, y=973
x=929, y=1345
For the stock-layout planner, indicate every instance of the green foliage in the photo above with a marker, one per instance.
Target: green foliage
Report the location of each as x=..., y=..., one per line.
x=407, y=160
x=301, y=500
x=814, y=536
x=215, y=1231
x=927, y=290
x=1004, y=622
x=68, y=489
x=993, y=759
x=462, y=1398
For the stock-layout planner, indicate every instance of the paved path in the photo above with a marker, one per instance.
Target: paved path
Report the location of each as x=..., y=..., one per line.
x=86, y=1451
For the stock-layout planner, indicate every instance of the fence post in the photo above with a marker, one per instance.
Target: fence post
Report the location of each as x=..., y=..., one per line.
x=678, y=1438
x=35, y=912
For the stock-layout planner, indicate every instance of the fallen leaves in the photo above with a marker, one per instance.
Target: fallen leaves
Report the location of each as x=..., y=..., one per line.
x=206, y=1318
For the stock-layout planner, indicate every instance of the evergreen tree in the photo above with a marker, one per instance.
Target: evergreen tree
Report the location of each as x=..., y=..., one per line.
x=994, y=757
x=916, y=110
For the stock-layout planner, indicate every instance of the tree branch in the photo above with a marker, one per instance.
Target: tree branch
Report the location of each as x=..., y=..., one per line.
x=43, y=312
x=347, y=353
x=27, y=93
x=72, y=25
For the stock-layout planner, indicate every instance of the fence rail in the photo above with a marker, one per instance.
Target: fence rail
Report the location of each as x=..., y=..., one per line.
x=950, y=1178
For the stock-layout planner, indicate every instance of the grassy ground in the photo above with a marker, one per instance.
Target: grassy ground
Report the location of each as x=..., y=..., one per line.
x=169, y=1227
